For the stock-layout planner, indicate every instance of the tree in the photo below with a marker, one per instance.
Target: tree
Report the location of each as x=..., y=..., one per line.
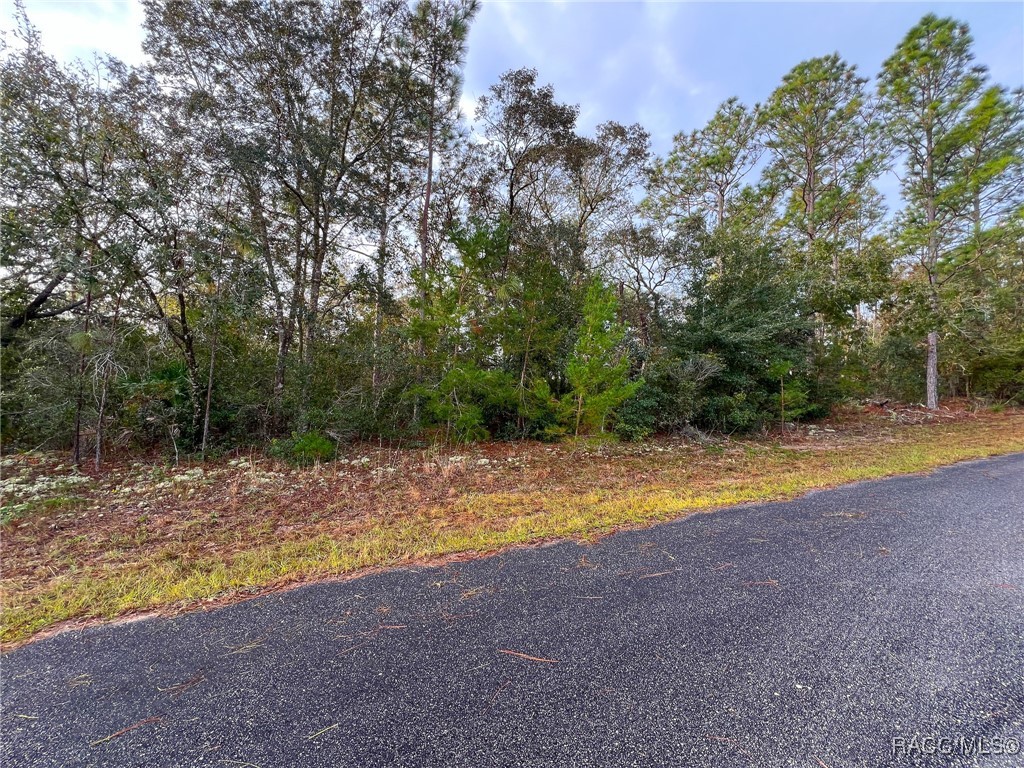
x=496, y=317
x=742, y=323
x=826, y=154
x=981, y=278
x=928, y=89
x=651, y=269
x=993, y=167
x=52, y=186
x=526, y=129
x=299, y=98
x=704, y=171
x=597, y=371
x=106, y=205
x=438, y=30
x=280, y=224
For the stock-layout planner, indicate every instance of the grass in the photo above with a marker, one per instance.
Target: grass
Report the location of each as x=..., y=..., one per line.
x=167, y=542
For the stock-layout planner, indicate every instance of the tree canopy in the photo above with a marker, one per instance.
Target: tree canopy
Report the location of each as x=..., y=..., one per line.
x=282, y=226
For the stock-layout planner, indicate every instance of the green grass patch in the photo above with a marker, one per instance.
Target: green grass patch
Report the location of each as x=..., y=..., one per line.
x=483, y=522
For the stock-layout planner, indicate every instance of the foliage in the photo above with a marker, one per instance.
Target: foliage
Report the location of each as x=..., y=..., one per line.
x=667, y=398
x=962, y=141
x=738, y=329
x=597, y=372
x=231, y=244
x=302, y=449
x=460, y=505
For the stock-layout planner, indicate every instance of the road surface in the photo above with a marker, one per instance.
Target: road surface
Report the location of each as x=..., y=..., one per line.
x=878, y=624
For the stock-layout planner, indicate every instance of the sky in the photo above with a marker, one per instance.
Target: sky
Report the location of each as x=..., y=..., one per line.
x=666, y=65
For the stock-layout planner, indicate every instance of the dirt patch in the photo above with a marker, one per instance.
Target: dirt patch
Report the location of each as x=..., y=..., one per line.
x=145, y=535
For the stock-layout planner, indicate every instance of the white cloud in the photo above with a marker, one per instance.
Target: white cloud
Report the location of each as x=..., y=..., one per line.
x=517, y=28
x=467, y=105
x=661, y=14
x=78, y=30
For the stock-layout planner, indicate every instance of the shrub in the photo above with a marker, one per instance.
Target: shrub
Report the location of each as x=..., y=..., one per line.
x=471, y=402
x=302, y=449
x=597, y=370
x=636, y=419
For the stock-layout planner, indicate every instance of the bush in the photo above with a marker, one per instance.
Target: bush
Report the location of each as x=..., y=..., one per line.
x=471, y=402
x=669, y=397
x=302, y=449
x=631, y=432
x=597, y=371
x=740, y=322
x=897, y=366
x=999, y=375
x=637, y=418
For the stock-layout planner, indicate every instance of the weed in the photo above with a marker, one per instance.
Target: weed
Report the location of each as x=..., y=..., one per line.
x=274, y=527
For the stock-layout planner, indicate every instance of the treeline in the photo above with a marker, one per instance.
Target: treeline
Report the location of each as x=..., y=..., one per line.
x=282, y=227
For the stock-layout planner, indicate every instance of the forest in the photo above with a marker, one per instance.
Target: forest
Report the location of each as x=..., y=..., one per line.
x=281, y=232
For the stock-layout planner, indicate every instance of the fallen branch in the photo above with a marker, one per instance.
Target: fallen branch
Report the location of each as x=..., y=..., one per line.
x=527, y=656
x=653, y=575
x=353, y=647
x=245, y=647
x=180, y=688
x=123, y=731
x=497, y=692
x=454, y=616
x=322, y=731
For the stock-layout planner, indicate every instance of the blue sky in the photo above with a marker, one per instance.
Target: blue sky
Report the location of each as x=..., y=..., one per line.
x=663, y=64
x=668, y=65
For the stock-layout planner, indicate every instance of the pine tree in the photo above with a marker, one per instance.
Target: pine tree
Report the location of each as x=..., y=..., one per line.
x=927, y=89
x=597, y=371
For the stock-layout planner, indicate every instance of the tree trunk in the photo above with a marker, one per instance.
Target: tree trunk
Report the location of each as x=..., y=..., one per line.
x=98, y=458
x=932, y=374
x=209, y=391
x=378, y=309
x=106, y=385
x=424, y=236
x=425, y=216
x=281, y=325
x=931, y=214
x=316, y=276
x=378, y=328
x=188, y=342
x=782, y=403
x=77, y=448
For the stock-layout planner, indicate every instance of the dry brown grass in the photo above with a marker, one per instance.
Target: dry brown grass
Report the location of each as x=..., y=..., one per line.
x=144, y=536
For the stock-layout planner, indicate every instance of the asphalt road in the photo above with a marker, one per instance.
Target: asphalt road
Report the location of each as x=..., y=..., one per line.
x=810, y=633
